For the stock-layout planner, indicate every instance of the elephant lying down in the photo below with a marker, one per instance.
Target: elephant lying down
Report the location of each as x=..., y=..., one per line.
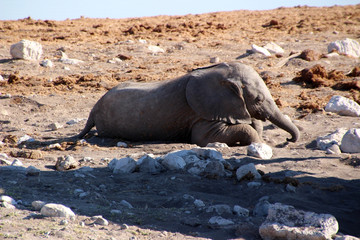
x=220, y=103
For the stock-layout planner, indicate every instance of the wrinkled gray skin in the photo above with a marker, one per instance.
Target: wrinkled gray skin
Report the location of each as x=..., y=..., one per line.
x=221, y=103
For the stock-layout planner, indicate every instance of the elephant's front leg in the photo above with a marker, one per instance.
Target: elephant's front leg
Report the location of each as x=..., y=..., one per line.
x=204, y=132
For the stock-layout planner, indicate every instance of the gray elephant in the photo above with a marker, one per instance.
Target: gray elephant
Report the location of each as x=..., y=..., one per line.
x=220, y=103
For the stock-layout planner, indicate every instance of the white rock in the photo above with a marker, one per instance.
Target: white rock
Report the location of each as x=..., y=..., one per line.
x=285, y=222
x=142, y=158
x=25, y=49
x=25, y=138
x=55, y=126
x=1, y=78
x=115, y=212
x=65, y=163
x=274, y=48
x=240, y=211
x=214, y=60
x=16, y=162
x=198, y=167
x=47, y=63
x=37, y=205
x=348, y=47
x=334, y=149
x=32, y=171
x=5, y=161
x=199, y=203
x=245, y=169
x=219, y=209
x=64, y=222
x=124, y=165
x=7, y=205
x=150, y=165
x=259, y=150
x=217, y=145
x=210, y=153
x=219, y=221
x=125, y=203
x=57, y=210
x=74, y=121
x=351, y=141
x=180, y=153
x=173, y=162
x=100, y=220
x=257, y=49
x=7, y=199
x=343, y=106
x=143, y=41
x=334, y=138
x=347, y=237
x=191, y=159
x=290, y=188
x=121, y=144
x=155, y=49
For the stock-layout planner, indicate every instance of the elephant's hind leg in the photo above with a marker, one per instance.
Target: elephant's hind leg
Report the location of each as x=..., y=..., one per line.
x=204, y=132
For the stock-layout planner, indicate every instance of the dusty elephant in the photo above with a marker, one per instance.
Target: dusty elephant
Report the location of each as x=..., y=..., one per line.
x=221, y=103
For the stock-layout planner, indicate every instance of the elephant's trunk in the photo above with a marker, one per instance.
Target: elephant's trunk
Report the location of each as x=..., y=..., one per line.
x=285, y=123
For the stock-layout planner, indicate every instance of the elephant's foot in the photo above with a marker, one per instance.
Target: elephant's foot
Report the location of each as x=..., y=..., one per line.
x=205, y=132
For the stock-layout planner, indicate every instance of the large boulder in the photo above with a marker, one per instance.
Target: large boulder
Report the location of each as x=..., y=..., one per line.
x=25, y=49
x=285, y=222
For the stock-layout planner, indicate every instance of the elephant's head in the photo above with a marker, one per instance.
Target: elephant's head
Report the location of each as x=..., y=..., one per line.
x=234, y=93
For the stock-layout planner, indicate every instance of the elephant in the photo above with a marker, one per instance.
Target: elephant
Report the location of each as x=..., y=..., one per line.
x=226, y=102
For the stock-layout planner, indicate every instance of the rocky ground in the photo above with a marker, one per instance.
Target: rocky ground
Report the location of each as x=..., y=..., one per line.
x=32, y=97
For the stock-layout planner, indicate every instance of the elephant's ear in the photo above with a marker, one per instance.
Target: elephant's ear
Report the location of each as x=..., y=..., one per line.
x=214, y=96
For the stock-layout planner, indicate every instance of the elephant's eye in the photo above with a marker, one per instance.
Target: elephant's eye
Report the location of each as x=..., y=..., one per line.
x=260, y=98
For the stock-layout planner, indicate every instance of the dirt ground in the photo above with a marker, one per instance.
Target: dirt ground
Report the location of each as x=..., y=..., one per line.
x=32, y=97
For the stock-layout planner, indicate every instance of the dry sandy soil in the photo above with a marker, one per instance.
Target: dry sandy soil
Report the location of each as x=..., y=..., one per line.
x=32, y=97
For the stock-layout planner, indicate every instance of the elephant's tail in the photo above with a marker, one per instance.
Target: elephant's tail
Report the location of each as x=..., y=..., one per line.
x=89, y=125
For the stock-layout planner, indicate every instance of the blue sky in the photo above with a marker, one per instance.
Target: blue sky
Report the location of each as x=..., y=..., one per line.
x=63, y=9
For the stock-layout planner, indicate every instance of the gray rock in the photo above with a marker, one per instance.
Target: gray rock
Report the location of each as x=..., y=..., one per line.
x=121, y=144
x=290, y=188
x=334, y=149
x=155, y=49
x=125, y=203
x=124, y=165
x=210, y=153
x=57, y=210
x=37, y=205
x=32, y=171
x=285, y=222
x=219, y=221
x=65, y=163
x=262, y=207
x=242, y=171
x=217, y=145
x=7, y=199
x=350, y=143
x=25, y=49
x=115, y=212
x=219, y=209
x=55, y=126
x=100, y=220
x=191, y=159
x=274, y=48
x=214, y=169
x=199, y=203
x=258, y=49
x=240, y=211
x=150, y=165
x=343, y=106
x=64, y=222
x=7, y=205
x=214, y=60
x=346, y=237
x=331, y=139
x=197, y=168
x=259, y=150
x=75, y=121
x=47, y=63
x=17, y=163
x=173, y=162
x=347, y=47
